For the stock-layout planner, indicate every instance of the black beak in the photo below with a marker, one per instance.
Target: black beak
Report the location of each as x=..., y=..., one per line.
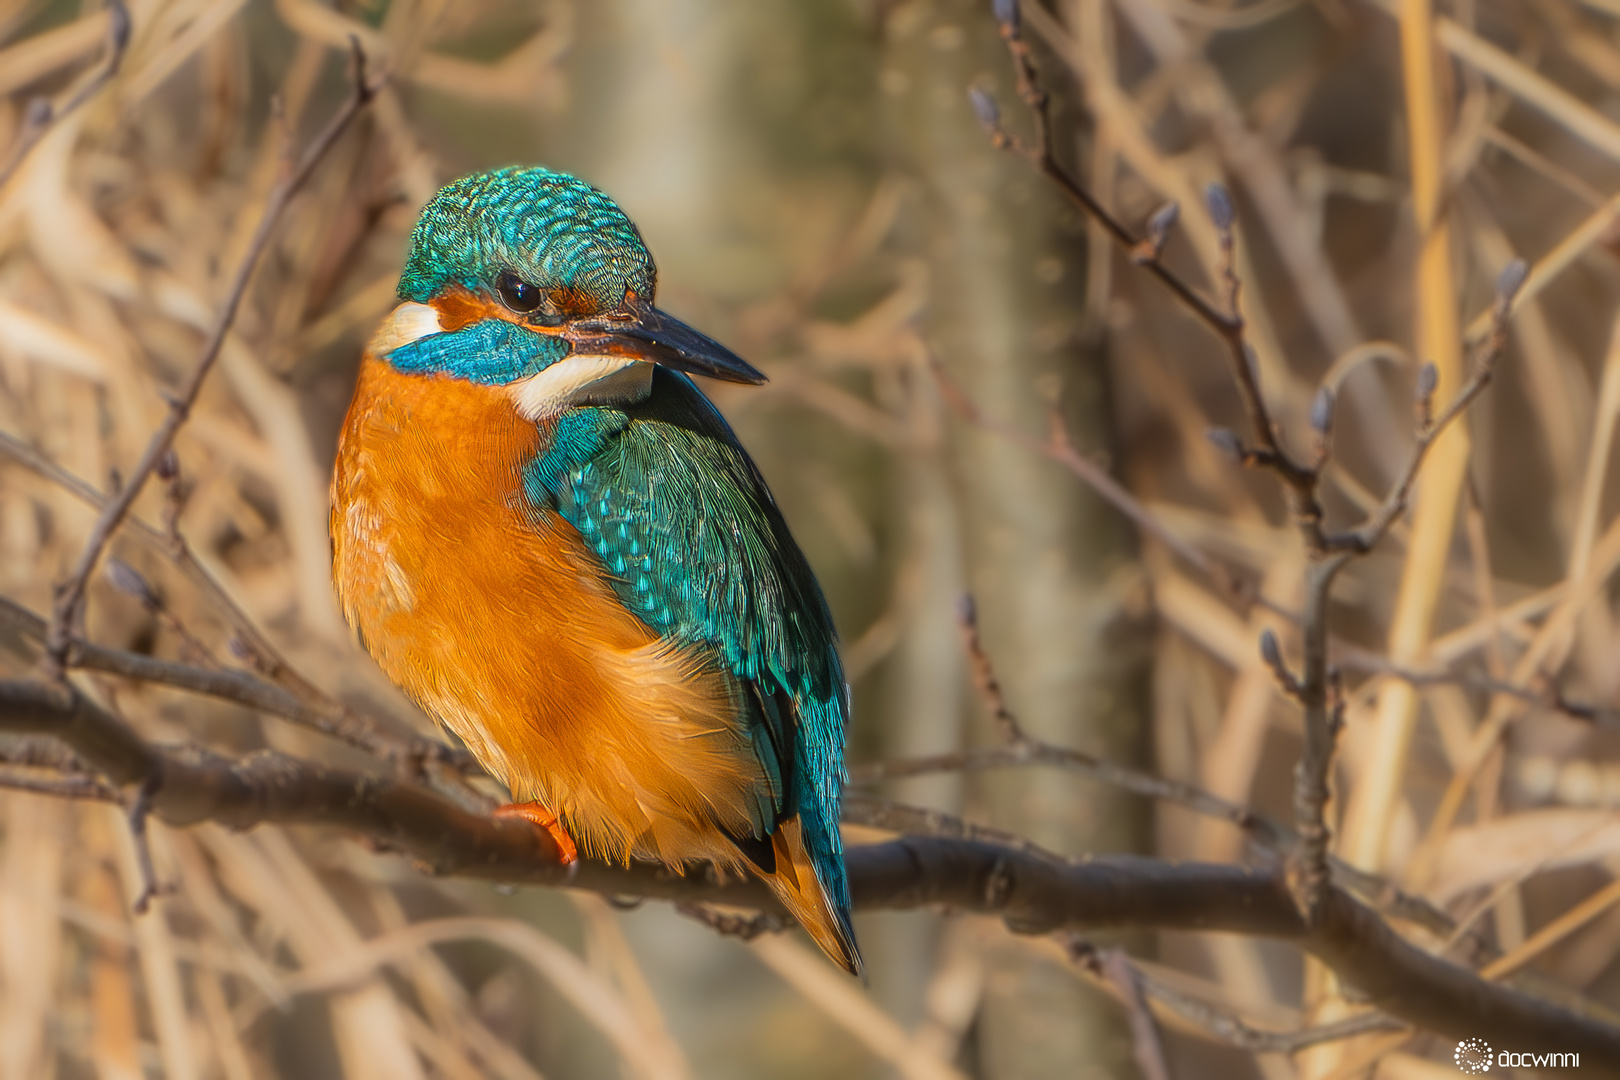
x=665, y=340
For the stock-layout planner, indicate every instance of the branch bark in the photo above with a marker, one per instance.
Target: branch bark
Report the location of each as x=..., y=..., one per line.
x=1033, y=894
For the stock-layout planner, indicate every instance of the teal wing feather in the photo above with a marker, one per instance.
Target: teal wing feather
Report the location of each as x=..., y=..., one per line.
x=696, y=547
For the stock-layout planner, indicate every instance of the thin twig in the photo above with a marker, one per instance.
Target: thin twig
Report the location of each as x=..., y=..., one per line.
x=66, y=611
x=1115, y=967
x=139, y=811
x=1321, y=706
x=907, y=820
x=331, y=719
x=1226, y=1026
x=984, y=674
x=1262, y=830
x=130, y=581
x=1299, y=480
x=42, y=115
x=61, y=785
x=1364, y=538
x=1024, y=750
x=1316, y=686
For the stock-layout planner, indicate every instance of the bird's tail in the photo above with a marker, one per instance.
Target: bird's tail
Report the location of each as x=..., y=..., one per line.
x=800, y=889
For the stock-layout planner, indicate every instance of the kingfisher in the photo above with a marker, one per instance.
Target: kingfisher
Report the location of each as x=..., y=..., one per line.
x=550, y=539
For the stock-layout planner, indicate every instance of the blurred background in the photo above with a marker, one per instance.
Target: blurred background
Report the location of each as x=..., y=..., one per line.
x=940, y=329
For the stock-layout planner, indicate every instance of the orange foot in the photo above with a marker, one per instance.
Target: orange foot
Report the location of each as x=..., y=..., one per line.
x=538, y=815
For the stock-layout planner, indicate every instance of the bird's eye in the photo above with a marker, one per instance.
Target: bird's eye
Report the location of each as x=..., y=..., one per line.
x=521, y=296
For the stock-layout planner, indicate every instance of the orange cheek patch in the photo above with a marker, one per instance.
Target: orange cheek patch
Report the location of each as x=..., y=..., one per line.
x=458, y=308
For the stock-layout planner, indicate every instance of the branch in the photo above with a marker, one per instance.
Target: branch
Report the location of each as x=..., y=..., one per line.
x=410, y=752
x=1146, y=1041
x=1300, y=480
x=1365, y=538
x=1032, y=894
x=1229, y=1028
x=1316, y=688
x=194, y=784
x=42, y=115
x=1023, y=751
x=332, y=719
x=65, y=612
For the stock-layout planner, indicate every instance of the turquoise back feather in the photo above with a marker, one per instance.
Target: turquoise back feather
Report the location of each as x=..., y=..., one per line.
x=673, y=506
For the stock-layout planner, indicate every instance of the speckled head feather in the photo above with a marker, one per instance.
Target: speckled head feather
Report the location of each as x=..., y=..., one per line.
x=546, y=227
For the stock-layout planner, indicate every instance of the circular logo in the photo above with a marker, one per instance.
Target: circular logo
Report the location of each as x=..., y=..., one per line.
x=1473, y=1056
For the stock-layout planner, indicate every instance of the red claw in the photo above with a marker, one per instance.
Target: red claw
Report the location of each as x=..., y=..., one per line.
x=539, y=816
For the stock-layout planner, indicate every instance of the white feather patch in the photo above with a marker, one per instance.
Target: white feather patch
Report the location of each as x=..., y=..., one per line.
x=407, y=323
x=547, y=393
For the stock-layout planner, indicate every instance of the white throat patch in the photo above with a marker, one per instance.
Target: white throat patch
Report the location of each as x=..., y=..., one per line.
x=407, y=323
x=580, y=379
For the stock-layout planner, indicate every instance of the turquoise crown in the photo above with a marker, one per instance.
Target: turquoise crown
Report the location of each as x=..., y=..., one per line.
x=546, y=227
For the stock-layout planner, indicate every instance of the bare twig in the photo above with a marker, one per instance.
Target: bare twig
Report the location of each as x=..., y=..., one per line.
x=984, y=674
x=139, y=810
x=1364, y=538
x=331, y=719
x=1060, y=449
x=1115, y=967
x=126, y=579
x=1299, y=480
x=66, y=610
x=1263, y=831
x=1229, y=1028
x=1328, y=553
x=923, y=821
x=42, y=114
x=1314, y=689
x=61, y=785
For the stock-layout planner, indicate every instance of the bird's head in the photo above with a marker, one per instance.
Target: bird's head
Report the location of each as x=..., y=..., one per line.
x=533, y=280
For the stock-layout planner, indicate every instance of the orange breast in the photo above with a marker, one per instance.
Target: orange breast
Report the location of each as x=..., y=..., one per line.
x=497, y=620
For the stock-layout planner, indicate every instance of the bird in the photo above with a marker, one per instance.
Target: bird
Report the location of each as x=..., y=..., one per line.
x=548, y=536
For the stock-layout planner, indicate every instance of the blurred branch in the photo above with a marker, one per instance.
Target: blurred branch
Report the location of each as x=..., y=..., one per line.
x=41, y=114
x=66, y=610
x=909, y=820
x=1060, y=449
x=1024, y=751
x=253, y=693
x=1224, y=1025
x=1316, y=687
x=1032, y=894
x=194, y=784
x=239, y=686
x=1115, y=966
x=61, y=785
x=1228, y=325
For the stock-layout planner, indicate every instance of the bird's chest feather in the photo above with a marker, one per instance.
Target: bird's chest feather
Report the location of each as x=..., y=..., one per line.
x=494, y=616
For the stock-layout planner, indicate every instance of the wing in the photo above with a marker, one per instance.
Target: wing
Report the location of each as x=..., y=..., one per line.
x=694, y=544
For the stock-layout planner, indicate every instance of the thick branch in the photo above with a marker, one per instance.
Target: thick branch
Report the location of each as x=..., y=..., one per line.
x=244, y=689
x=1033, y=894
